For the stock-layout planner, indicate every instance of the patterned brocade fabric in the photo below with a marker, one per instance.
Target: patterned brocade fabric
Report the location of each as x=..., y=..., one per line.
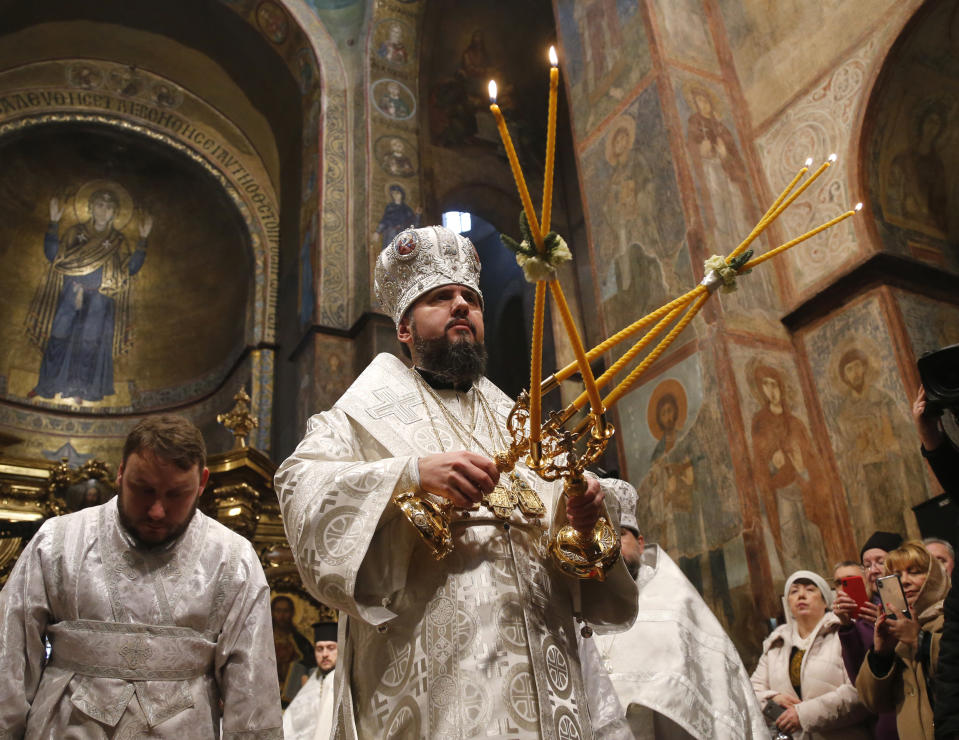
x=143, y=640
x=479, y=644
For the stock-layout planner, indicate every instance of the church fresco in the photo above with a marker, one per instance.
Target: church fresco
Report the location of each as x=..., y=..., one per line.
x=914, y=146
x=636, y=223
x=110, y=301
x=930, y=324
x=393, y=99
x=688, y=500
x=392, y=42
x=725, y=196
x=476, y=44
x=814, y=126
x=782, y=50
x=605, y=55
x=801, y=525
x=684, y=29
x=868, y=415
x=396, y=156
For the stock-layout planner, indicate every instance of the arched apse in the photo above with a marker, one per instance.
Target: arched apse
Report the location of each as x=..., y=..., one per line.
x=910, y=148
x=260, y=83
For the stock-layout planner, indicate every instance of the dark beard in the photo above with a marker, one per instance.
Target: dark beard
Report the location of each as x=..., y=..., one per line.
x=129, y=526
x=460, y=363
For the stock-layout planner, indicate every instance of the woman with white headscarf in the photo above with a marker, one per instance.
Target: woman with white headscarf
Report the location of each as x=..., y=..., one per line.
x=801, y=671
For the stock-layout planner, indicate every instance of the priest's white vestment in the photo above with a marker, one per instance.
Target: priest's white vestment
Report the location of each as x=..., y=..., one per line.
x=146, y=642
x=310, y=715
x=675, y=670
x=479, y=644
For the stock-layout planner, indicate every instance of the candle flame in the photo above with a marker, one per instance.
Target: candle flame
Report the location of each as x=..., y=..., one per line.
x=553, y=59
x=858, y=207
x=833, y=158
x=808, y=162
x=492, y=91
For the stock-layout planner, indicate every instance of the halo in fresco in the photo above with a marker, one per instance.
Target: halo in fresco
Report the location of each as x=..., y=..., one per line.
x=81, y=203
x=667, y=388
x=393, y=99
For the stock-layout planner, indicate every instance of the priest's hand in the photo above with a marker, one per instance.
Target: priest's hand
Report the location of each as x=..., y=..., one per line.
x=583, y=511
x=461, y=477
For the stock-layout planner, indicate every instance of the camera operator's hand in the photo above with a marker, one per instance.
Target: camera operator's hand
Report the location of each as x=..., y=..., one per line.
x=927, y=422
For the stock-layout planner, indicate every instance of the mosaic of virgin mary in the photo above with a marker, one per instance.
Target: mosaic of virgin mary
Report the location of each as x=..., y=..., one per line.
x=80, y=312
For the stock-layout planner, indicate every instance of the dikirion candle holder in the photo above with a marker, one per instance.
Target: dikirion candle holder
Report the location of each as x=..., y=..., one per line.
x=556, y=448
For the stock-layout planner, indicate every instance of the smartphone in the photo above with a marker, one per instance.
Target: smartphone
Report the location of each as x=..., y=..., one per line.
x=855, y=589
x=892, y=596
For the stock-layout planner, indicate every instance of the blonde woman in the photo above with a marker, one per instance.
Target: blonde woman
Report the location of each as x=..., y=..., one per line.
x=899, y=671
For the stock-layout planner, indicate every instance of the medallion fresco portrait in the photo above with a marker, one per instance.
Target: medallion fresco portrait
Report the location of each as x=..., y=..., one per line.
x=396, y=156
x=392, y=42
x=125, y=274
x=393, y=99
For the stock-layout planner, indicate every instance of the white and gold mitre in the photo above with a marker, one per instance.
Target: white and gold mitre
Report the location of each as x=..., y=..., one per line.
x=418, y=260
x=625, y=500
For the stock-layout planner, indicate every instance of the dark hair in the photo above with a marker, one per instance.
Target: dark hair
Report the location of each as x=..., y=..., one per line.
x=664, y=399
x=287, y=599
x=169, y=437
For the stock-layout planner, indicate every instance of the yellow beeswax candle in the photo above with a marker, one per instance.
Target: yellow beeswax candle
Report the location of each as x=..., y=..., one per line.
x=550, y=140
x=514, y=166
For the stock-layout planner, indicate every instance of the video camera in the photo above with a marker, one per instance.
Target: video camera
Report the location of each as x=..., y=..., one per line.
x=939, y=372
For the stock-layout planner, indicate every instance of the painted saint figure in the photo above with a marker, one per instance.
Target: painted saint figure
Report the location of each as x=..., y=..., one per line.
x=879, y=471
x=396, y=216
x=80, y=314
x=720, y=166
x=794, y=490
x=392, y=49
x=395, y=161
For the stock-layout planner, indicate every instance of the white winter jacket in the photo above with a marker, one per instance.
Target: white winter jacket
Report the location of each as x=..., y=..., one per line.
x=829, y=706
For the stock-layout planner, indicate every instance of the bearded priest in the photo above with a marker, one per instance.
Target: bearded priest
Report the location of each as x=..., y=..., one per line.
x=483, y=641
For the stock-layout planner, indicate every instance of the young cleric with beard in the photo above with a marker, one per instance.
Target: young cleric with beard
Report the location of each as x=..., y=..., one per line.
x=158, y=616
x=483, y=641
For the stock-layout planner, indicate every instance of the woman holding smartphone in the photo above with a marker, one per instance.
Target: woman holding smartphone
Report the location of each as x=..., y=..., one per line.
x=800, y=678
x=899, y=670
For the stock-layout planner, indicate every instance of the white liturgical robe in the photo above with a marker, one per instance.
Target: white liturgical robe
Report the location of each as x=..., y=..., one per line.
x=676, y=671
x=310, y=714
x=479, y=644
x=146, y=642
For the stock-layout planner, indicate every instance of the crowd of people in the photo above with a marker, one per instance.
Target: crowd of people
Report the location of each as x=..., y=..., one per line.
x=875, y=653
x=142, y=617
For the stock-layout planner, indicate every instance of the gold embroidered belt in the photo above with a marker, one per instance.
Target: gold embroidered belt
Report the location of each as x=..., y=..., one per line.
x=134, y=652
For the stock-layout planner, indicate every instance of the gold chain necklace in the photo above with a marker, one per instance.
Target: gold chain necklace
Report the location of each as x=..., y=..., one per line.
x=511, y=491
